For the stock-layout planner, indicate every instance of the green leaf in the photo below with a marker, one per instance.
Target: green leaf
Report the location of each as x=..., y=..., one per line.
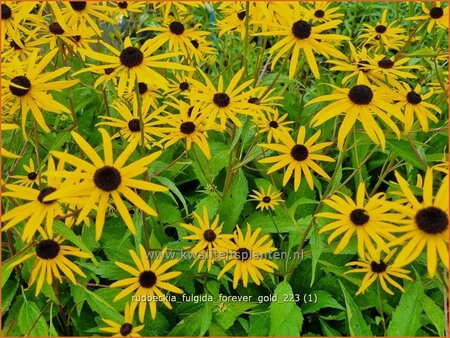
x=233, y=201
x=232, y=311
x=327, y=330
x=317, y=245
x=8, y=293
x=210, y=168
x=403, y=150
x=324, y=300
x=410, y=308
x=216, y=330
x=356, y=324
x=194, y=325
x=259, y=324
x=285, y=317
x=6, y=267
x=30, y=320
x=435, y=314
x=102, y=307
x=173, y=188
x=61, y=229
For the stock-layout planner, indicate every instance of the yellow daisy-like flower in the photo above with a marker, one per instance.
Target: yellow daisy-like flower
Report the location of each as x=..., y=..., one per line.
x=13, y=13
x=361, y=102
x=383, y=34
x=301, y=35
x=33, y=176
x=209, y=237
x=178, y=36
x=126, y=8
x=131, y=127
x=273, y=124
x=299, y=157
x=437, y=15
x=22, y=49
x=426, y=224
x=105, y=178
x=38, y=209
x=248, y=256
x=267, y=199
x=371, y=221
x=134, y=63
x=28, y=86
x=126, y=329
x=413, y=103
x=234, y=18
x=383, y=69
x=51, y=258
x=4, y=152
x=377, y=268
x=224, y=103
x=190, y=125
x=147, y=282
x=321, y=11
x=181, y=85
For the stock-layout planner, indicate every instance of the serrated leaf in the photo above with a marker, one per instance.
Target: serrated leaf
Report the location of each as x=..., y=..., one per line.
x=324, y=300
x=8, y=293
x=196, y=324
x=356, y=323
x=232, y=311
x=30, y=320
x=259, y=324
x=102, y=307
x=285, y=316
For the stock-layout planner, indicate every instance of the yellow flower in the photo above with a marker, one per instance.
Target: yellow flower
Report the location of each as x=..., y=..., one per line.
x=436, y=14
x=273, y=124
x=148, y=280
x=248, y=256
x=51, y=258
x=210, y=239
x=426, y=224
x=299, y=157
x=4, y=152
x=371, y=220
x=361, y=102
x=107, y=178
x=31, y=178
x=27, y=89
x=126, y=329
x=267, y=199
x=377, y=268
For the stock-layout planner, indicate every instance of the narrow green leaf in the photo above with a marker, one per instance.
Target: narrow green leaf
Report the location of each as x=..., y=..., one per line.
x=403, y=150
x=102, y=307
x=356, y=324
x=8, y=293
x=324, y=300
x=197, y=324
x=435, y=314
x=410, y=308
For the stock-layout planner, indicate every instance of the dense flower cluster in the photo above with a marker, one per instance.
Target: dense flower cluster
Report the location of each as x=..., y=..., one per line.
x=176, y=95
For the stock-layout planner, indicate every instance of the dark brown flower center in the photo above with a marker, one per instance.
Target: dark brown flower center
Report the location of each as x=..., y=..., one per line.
x=380, y=29
x=386, y=63
x=253, y=100
x=189, y=111
x=122, y=4
x=125, y=329
x=209, y=235
x=32, y=176
x=195, y=43
x=107, y=178
x=14, y=45
x=147, y=279
x=360, y=94
x=45, y=192
x=142, y=87
x=221, y=99
x=131, y=57
x=301, y=29
x=299, y=152
x=77, y=38
x=359, y=217
x=134, y=125
x=56, y=28
x=187, y=127
x=241, y=15
x=378, y=267
x=436, y=12
x=183, y=86
x=362, y=66
x=47, y=249
x=176, y=28
x=20, y=81
x=78, y=5
x=413, y=97
x=273, y=124
x=108, y=70
x=6, y=12
x=432, y=220
x=242, y=254
x=266, y=199
x=319, y=13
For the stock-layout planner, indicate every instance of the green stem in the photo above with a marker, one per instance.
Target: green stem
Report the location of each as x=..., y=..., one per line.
x=380, y=307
